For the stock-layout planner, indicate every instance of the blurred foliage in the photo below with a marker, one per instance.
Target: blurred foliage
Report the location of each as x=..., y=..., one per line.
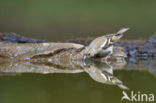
x=63, y=19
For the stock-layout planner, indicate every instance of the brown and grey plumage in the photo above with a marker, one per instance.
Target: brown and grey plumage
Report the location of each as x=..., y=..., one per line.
x=104, y=45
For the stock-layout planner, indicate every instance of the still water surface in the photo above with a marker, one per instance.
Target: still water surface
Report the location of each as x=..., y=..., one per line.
x=24, y=82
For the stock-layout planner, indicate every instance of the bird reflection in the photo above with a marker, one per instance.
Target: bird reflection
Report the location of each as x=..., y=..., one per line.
x=98, y=71
x=103, y=73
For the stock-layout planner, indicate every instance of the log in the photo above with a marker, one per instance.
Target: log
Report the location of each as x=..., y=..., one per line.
x=133, y=48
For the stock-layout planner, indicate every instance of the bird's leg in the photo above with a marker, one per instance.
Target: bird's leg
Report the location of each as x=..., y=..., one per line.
x=110, y=42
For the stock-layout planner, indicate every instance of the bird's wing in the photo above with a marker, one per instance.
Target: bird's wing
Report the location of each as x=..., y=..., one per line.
x=104, y=43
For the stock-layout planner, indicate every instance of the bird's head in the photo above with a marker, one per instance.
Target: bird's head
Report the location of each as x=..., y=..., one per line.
x=90, y=52
x=116, y=37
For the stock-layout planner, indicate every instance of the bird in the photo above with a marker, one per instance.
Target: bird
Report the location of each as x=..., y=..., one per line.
x=103, y=46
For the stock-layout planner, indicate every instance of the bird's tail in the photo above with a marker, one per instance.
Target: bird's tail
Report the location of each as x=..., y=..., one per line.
x=121, y=31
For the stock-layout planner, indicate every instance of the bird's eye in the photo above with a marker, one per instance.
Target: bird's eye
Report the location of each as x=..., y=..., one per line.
x=89, y=54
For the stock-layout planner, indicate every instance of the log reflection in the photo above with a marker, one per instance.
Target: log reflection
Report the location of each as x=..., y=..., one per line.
x=98, y=71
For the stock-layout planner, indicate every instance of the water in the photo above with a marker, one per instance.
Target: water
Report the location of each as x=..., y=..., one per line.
x=95, y=83
x=70, y=88
x=88, y=82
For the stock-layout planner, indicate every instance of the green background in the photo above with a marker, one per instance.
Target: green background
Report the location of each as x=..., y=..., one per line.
x=65, y=19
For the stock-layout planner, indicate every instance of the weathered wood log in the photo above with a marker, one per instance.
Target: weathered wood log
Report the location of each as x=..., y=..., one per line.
x=59, y=51
x=134, y=48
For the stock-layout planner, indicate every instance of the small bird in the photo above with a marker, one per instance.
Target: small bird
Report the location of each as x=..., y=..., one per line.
x=103, y=46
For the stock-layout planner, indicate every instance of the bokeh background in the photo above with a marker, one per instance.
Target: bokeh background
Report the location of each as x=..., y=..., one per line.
x=65, y=19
